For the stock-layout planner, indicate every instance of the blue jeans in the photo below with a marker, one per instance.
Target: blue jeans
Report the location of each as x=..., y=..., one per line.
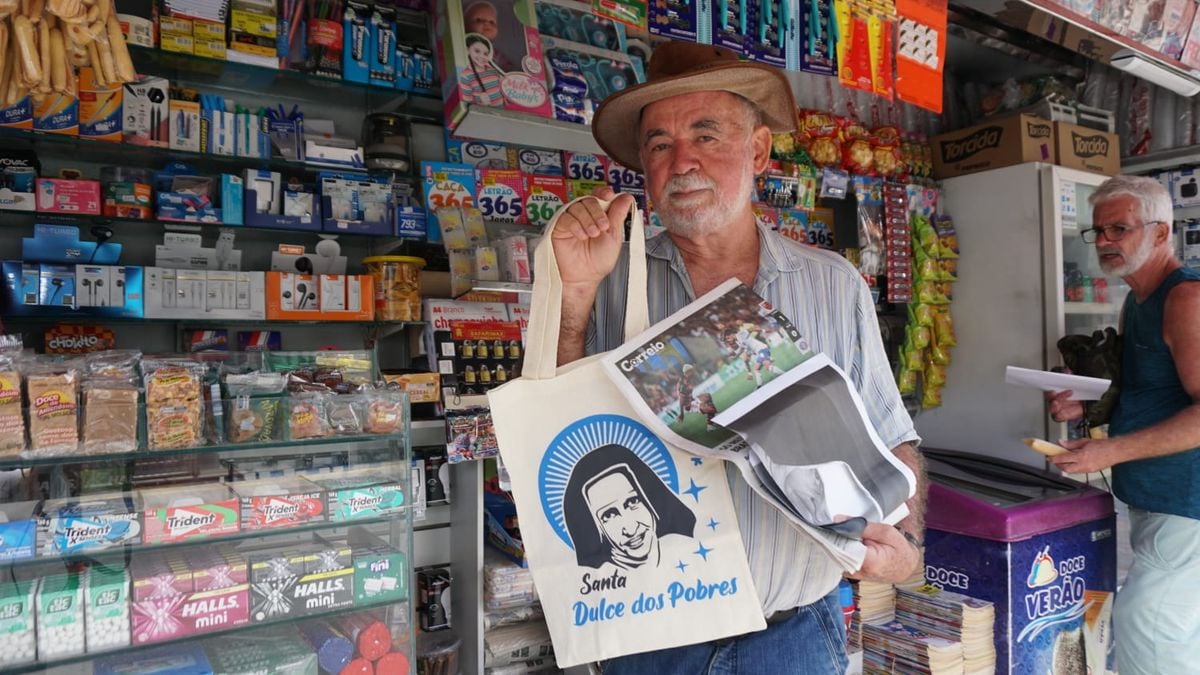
x=813, y=642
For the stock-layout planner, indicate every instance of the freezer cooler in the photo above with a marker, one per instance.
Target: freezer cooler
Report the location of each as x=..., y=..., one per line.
x=1039, y=546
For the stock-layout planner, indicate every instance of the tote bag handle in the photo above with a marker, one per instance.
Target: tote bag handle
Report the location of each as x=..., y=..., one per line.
x=545, y=312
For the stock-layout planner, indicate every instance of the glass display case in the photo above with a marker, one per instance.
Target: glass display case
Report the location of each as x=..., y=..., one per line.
x=257, y=532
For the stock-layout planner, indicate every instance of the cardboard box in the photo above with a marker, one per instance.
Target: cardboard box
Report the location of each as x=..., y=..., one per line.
x=1087, y=149
x=99, y=108
x=992, y=145
x=76, y=197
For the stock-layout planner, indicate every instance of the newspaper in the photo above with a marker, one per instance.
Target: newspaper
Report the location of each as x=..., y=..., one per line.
x=731, y=377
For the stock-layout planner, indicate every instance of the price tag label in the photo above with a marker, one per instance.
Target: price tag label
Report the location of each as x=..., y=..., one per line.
x=619, y=177
x=585, y=166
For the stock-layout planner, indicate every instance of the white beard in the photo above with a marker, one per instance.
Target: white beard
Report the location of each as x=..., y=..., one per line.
x=707, y=217
x=1133, y=262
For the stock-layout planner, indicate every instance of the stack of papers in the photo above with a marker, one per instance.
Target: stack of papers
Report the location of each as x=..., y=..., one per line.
x=876, y=602
x=896, y=648
x=952, y=616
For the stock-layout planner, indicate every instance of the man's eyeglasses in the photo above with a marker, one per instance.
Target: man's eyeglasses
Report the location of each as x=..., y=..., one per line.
x=1111, y=232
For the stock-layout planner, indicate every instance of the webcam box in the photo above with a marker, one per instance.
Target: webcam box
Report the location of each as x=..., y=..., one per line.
x=1185, y=188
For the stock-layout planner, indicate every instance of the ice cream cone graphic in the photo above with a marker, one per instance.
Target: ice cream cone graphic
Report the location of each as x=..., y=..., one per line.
x=1042, y=571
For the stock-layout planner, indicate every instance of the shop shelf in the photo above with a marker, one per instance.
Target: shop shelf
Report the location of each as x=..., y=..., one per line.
x=84, y=221
x=499, y=287
x=1162, y=160
x=283, y=83
x=127, y=154
x=513, y=128
x=213, y=632
x=81, y=316
x=328, y=444
x=1088, y=308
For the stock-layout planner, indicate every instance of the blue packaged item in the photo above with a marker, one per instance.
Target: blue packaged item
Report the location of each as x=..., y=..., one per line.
x=479, y=154
x=568, y=108
x=424, y=81
x=729, y=25
x=771, y=22
x=175, y=659
x=677, y=19
x=406, y=67
x=18, y=531
x=232, y=190
x=56, y=286
x=356, y=44
x=540, y=162
x=565, y=75
x=410, y=222
x=61, y=244
x=382, y=63
x=77, y=525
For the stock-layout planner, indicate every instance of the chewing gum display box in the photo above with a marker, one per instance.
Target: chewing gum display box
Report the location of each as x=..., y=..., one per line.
x=69, y=526
x=380, y=571
x=362, y=496
x=1087, y=149
x=511, y=77
x=191, y=614
x=183, y=514
x=18, y=531
x=993, y=145
x=279, y=502
x=17, y=620
x=196, y=590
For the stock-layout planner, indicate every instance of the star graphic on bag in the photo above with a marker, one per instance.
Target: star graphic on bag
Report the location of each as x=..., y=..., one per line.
x=712, y=524
x=694, y=490
x=696, y=461
x=682, y=566
x=703, y=552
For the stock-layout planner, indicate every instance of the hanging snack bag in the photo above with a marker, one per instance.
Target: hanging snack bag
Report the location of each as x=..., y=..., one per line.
x=12, y=420
x=174, y=403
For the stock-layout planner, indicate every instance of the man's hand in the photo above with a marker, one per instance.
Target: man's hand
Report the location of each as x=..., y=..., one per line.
x=890, y=557
x=1062, y=409
x=1088, y=455
x=587, y=239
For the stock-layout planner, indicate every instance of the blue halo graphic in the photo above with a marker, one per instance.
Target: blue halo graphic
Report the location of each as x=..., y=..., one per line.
x=584, y=436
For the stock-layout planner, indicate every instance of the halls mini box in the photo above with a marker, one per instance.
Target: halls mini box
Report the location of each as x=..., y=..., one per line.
x=491, y=56
x=1087, y=149
x=992, y=145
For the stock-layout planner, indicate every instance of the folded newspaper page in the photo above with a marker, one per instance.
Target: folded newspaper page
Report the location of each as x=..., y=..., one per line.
x=731, y=377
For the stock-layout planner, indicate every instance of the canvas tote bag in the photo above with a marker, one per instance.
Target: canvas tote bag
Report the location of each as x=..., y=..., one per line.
x=633, y=544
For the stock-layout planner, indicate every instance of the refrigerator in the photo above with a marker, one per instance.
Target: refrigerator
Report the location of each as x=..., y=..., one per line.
x=1025, y=279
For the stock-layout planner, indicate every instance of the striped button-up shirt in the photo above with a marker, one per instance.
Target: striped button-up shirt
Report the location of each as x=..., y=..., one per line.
x=829, y=303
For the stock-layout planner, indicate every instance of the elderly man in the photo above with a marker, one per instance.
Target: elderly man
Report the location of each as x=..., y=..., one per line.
x=700, y=129
x=1154, y=443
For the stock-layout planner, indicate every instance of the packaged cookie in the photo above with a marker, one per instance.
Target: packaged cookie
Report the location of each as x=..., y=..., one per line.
x=12, y=421
x=254, y=405
x=385, y=413
x=110, y=417
x=345, y=414
x=53, y=409
x=306, y=417
x=174, y=404
x=114, y=364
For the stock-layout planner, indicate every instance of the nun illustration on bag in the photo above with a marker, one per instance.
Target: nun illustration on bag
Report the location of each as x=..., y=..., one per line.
x=619, y=512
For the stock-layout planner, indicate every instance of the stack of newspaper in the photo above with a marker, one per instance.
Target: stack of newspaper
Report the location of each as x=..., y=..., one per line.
x=896, y=648
x=876, y=602
x=952, y=616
